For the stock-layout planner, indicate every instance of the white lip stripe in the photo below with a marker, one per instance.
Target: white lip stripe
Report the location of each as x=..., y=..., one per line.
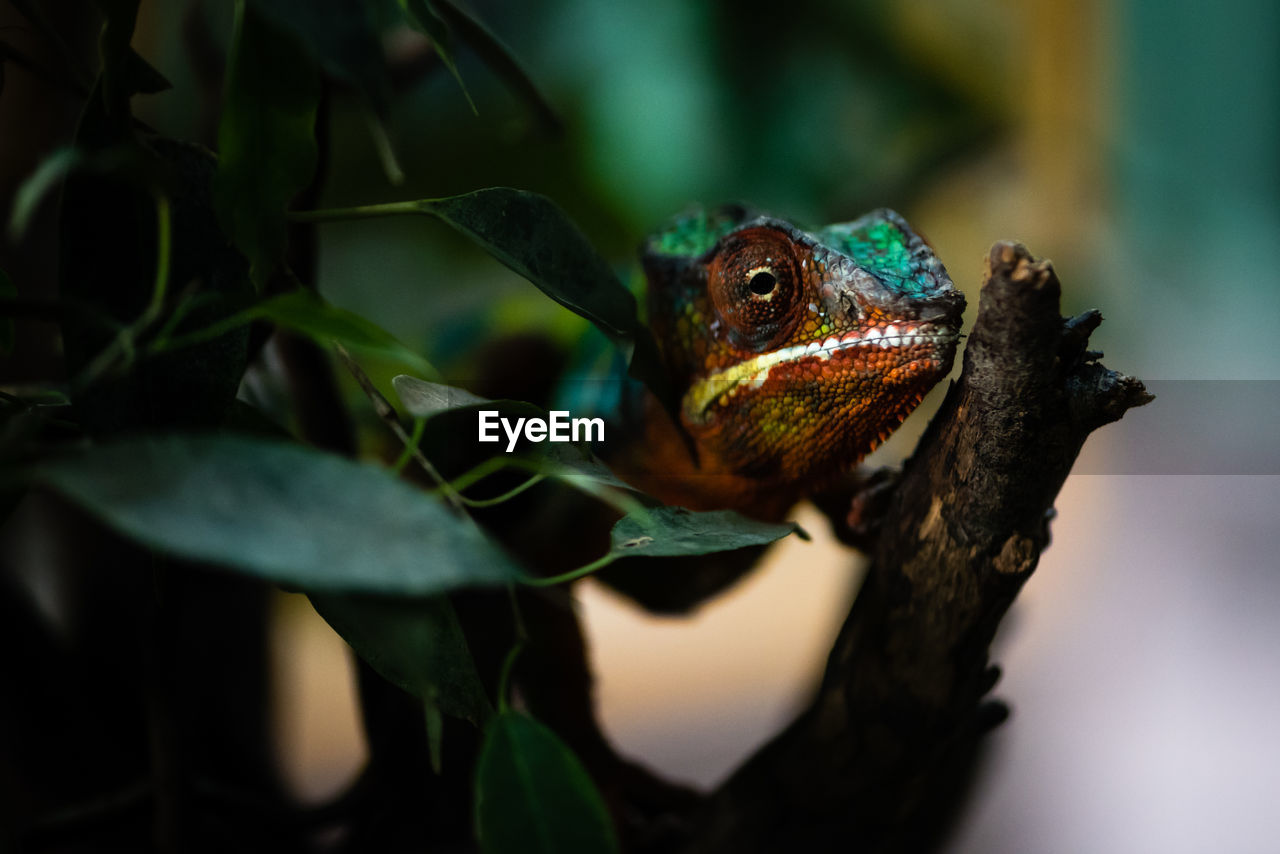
x=756, y=370
x=890, y=337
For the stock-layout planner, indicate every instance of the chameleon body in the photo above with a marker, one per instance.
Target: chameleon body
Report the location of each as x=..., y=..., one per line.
x=796, y=352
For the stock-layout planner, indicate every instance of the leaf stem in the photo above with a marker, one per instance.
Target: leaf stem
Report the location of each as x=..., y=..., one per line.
x=358, y=212
x=434, y=722
x=573, y=574
x=504, y=676
x=493, y=465
x=506, y=496
x=164, y=241
x=474, y=475
x=164, y=343
x=386, y=152
x=187, y=301
x=387, y=413
x=419, y=425
x=123, y=345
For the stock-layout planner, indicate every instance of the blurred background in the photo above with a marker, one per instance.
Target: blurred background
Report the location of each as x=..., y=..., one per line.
x=1136, y=143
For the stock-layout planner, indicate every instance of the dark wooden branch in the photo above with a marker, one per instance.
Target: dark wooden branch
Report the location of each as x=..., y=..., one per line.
x=878, y=758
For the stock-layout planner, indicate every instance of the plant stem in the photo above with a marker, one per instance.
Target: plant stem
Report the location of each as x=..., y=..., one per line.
x=358, y=212
x=419, y=425
x=506, y=496
x=164, y=241
x=387, y=413
x=123, y=344
x=504, y=677
x=573, y=574
x=386, y=152
x=490, y=466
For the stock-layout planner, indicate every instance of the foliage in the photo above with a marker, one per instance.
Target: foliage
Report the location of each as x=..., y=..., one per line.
x=533, y=795
x=177, y=266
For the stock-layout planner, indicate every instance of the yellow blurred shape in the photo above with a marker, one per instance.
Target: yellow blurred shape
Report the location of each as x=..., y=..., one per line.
x=316, y=717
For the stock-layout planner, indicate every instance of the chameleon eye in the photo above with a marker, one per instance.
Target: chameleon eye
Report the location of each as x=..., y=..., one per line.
x=755, y=285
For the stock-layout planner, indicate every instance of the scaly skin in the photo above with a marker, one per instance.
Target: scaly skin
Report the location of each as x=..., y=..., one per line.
x=796, y=352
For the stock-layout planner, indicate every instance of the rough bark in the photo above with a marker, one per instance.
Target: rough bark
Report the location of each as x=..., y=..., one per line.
x=876, y=760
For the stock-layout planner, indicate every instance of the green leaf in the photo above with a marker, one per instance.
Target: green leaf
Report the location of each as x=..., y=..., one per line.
x=421, y=14
x=303, y=311
x=279, y=511
x=37, y=185
x=416, y=643
x=423, y=399
x=530, y=234
x=306, y=313
x=266, y=138
x=499, y=58
x=534, y=797
x=7, y=289
x=676, y=532
x=671, y=531
x=341, y=35
x=122, y=162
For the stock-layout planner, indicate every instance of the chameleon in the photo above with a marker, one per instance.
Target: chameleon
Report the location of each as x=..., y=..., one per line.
x=796, y=353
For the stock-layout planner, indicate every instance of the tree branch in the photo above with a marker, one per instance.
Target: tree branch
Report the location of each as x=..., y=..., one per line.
x=876, y=760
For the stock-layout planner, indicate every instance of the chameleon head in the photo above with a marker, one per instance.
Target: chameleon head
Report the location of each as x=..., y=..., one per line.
x=797, y=351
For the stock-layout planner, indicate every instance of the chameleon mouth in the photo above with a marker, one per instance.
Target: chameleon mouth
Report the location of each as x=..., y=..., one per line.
x=928, y=338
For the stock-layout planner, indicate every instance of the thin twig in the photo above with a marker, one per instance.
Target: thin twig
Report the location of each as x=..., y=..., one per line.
x=387, y=413
x=123, y=346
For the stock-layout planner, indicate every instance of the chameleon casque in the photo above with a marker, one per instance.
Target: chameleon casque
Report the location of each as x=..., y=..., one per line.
x=796, y=353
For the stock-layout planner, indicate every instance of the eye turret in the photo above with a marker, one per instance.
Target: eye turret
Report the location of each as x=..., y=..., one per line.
x=754, y=283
